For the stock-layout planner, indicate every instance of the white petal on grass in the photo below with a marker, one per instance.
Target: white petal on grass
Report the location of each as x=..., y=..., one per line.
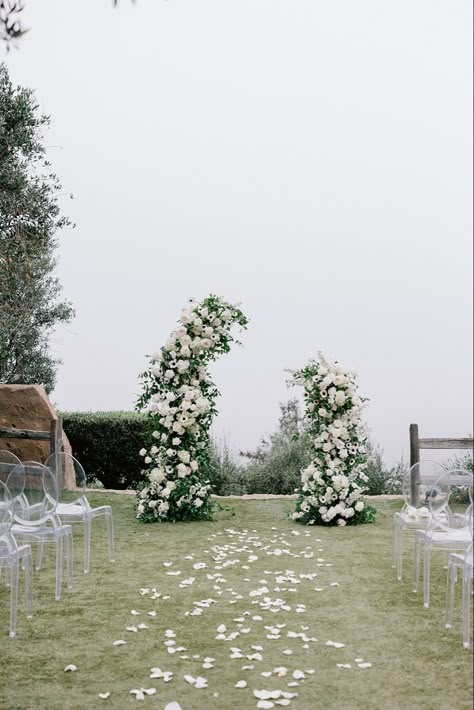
x=265, y=704
x=142, y=626
x=359, y=660
x=343, y=665
x=266, y=674
x=334, y=584
x=241, y=684
x=131, y=628
x=287, y=651
x=71, y=667
x=189, y=679
x=364, y=665
x=167, y=564
x=139, y=694
x=120, y=642
x=298, y=675
x=104, y=696
x=283, y=702
x=173, y=706
x=221, y=629
x=134, y=612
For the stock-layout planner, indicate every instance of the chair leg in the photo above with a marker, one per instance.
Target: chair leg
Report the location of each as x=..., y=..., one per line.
x=399, y=560
x=28, y=579
x=69, y=559
x=59, y=567
x=39, y=554
x=426, y=575
x=13, y=598
x=451, y=580
x=87, y=544
x=466, y=604
x=110, y=535
x=416, y=565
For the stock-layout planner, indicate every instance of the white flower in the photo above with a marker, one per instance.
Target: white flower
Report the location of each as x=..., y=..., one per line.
x=341, y=522
x=184, y=456
x=142, y=452
x=359, y=506
x=198, y=503
x=182, y=366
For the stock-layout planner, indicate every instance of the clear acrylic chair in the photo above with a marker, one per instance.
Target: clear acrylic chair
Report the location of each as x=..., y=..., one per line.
x=444, y=532
x=415, y=514
x=79, y=509
x=12, y=557
x=464, y=563
x=35, y=519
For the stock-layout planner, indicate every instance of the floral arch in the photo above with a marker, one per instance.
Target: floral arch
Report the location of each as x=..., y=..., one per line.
x=180, y=397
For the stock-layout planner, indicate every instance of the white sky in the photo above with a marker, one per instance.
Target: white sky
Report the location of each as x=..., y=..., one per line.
x=311, y=159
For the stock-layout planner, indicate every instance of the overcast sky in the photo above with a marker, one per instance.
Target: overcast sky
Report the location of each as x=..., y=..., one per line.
x=311, y=159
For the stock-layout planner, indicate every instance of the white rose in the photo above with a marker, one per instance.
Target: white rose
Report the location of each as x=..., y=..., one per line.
x=182, y=366
x=142, y=452
x=176, y=441
x=341, y=522
x=147, y=459
x=340, y=398
x=194, y=465
x=169, y=374
x=359, y=506
x=184, y=456
x=140, y=508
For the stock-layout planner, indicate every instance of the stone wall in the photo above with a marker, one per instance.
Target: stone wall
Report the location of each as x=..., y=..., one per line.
x=28, y=407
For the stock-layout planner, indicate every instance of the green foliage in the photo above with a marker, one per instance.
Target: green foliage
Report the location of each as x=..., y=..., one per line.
x=275, y=466
x=380, y=479
x=460, y=494
x=30, y=305
x=107, y=445
x=226, y=475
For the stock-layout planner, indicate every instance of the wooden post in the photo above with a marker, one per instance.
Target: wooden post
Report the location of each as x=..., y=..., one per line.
x=414, y=459
x=54, y=446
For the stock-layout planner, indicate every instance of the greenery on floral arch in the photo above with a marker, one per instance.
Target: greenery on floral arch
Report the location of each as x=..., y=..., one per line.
x=180, y=397
x=333, y=483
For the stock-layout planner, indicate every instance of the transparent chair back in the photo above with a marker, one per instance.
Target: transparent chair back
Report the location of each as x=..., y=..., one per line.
x=456, y=478
x=67, y=470
x=6, y=510
x=38, y=495
x=419, y=486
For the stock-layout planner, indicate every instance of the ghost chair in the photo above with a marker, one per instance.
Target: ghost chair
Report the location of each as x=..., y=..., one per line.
x=79, y=510
x=417, y=488
x=444, y=532
x=35, y=519
x=12, y=557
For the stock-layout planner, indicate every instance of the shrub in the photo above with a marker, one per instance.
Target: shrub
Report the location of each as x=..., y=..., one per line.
x=107, y=445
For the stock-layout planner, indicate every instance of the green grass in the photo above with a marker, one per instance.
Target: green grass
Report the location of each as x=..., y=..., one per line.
x=416, y=662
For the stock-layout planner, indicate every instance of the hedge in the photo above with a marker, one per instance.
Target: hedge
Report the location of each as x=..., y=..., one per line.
x=107, y=445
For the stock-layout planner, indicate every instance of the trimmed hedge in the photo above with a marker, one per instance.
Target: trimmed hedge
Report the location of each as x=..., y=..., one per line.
x=107, y=445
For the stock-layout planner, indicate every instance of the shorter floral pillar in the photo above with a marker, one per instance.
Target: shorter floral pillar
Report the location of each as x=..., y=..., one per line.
x=332, y=485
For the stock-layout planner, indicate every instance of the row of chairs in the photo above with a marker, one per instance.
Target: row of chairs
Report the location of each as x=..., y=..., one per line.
x=427, y=514
x=32, y=512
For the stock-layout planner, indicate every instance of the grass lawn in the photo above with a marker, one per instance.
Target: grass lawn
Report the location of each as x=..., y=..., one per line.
x=416, y=663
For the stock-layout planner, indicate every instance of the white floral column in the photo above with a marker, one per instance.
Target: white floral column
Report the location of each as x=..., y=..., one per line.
x=332, y=485
x=180, y=397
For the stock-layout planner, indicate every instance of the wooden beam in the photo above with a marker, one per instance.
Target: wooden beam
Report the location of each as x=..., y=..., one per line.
x=445, y=443
x=7, y=433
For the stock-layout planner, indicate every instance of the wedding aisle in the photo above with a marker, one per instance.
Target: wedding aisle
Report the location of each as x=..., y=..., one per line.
x=248, y=611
